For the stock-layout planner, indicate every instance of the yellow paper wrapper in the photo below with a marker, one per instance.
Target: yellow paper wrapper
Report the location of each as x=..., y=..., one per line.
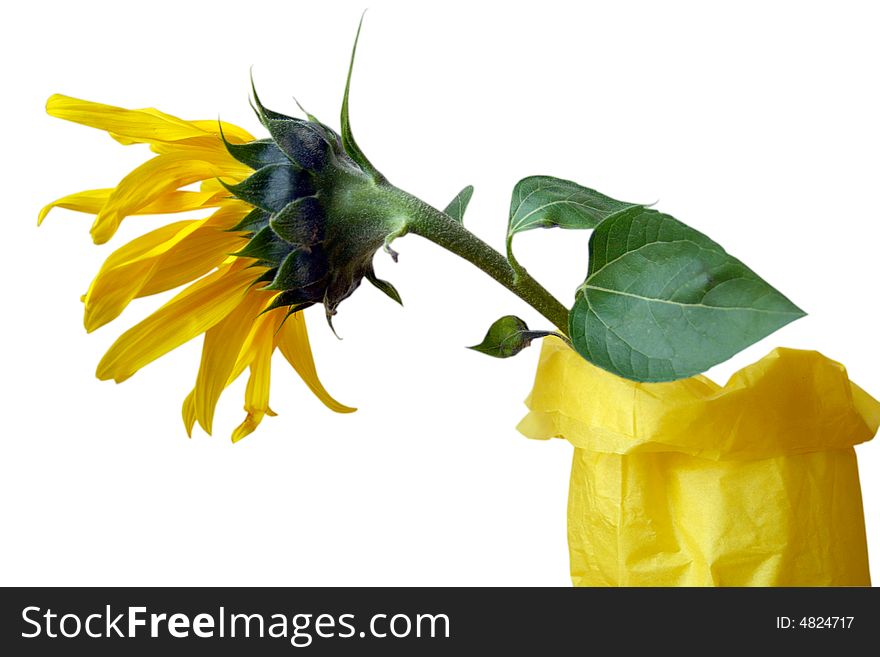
x=693, y=484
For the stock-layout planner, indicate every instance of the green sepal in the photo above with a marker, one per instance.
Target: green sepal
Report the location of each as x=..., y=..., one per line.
x=287, y=300
x=255, y=154
x=265, y=247
x=303, y=143
x=459, y=204
x=263, y=113
x=507, y=337
x=348, y=142
x=273, y=187
x=311, y=117
x=329, y=133
x=290, y=311
x=384, y=286
x=301, y=269
x=255, y=221
x=266, y=277
x=663, y=302
x=300, y=222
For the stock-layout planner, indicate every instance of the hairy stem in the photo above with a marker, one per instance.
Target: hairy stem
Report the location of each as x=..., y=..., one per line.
x=436, y=226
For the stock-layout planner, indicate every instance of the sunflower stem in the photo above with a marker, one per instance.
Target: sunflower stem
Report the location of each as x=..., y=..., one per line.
x=430, y=223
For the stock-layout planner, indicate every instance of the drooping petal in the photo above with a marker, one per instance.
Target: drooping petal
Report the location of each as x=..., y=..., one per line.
x=256, y=396
x=195, y=256
x=138, y=126
x=92, y=201
x=223, y=343
x=110, y=293
x=158, y=176
x=210, y=140
x=292, y=340
x=163, y=132
x=249, y=349
x=192, y=312
x=189, y=412
x=264, y=324
x=182, y=201
x=123, y=274
x=155, y=242
x=161, y=260
x=229, y=214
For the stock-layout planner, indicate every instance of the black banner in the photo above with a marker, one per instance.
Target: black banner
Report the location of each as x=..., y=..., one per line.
x=318, y=621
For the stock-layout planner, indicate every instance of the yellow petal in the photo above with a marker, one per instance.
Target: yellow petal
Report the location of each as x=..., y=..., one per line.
x=223, y=343
x=212, y=185
x=179, y=201
x=189, y=413
x=232, y=132
x=93, y=201
x=246, y=428
x=196, y=253
x=245, y=357
x=111, y=292
x=137, y=126
x=293, y=341
x=165, y=133
x=154, y=178
x=195, y=256
x=248, y=349
x=192, y=312
x=124, y=273
x=154, y=242
x=161, y=260
x=210, y=140
x=229, y=214
x=256, y=396
x=210, y=143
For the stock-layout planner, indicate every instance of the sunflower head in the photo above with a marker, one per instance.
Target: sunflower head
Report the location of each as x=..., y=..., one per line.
x=306, y=214
x=320, y=212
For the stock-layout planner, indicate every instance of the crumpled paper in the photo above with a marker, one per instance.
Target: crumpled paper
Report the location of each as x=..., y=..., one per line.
x=692, y=484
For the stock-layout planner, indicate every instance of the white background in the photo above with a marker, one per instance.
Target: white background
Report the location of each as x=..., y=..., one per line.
x=755, y=122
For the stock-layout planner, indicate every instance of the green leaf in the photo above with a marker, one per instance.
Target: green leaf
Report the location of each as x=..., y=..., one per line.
x=459, y=204
x=507, y=337
x=348, y=142
x=664, y=302
x=547, y=202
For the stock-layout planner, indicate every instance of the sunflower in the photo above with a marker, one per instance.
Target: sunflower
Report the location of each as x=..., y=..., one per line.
x=230, y=258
